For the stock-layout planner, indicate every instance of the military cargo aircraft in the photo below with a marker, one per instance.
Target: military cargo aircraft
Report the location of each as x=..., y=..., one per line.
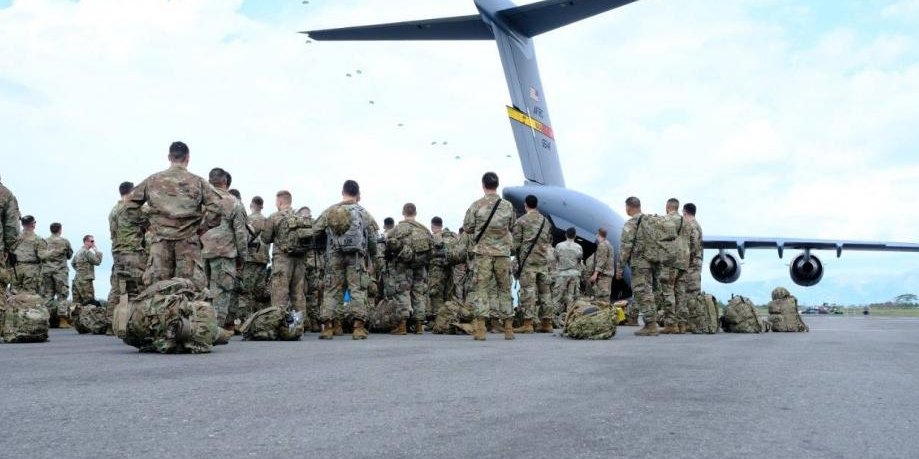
x=512, y=28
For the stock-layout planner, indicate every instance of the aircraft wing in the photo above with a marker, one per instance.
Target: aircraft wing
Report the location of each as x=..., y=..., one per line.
x=742, y=243
x=541, y=17
x=456, y=28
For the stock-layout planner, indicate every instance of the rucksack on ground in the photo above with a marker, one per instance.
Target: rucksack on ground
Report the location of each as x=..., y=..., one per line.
x=454, y=317
x=169, y=317
x=346, y=231
x=384, y=316
x=591, y=320
x=90, y=318
x=273, y=324
x=25, y=319
x=658, y=235
x=783, y=312
x=705, y=314
x=740, y=317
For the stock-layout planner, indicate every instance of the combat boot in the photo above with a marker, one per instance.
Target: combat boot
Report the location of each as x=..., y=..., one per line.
x=359, y=331
x=508, y=329
x=336, y=327
x=63, y=322
x=479, y=331
x=650, y=329
x=419, y=327
x=223, y=337
x=683, y=328
x=327, y=332
x=546, y=326
x=526, y=328
x=399, y=329
x=669, y=330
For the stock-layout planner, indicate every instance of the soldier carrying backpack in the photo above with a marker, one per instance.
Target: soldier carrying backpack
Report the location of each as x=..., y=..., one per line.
x=413, y=246
x=288, y=269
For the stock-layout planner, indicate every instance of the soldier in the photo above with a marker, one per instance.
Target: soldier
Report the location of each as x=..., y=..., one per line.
x=440, y=274
x=643, y=271
x=412, y=246
x=568, y=257
x=84, y=265
x=129, y=256
x=385, y=280
x=351, y=233
x=602, y=267
x=177, y=200
x=489, y=222
x=313, y=270
x=255, y=269
x=27, y=266
x=55, y=274
x=689, y=283
x=669, y=299
x=532, y=240
x=224, y=249
x=9, y=234
x=461, y=271
x=287, y=265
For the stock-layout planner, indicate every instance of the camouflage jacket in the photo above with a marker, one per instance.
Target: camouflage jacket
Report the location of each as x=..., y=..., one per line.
x=85, y=262
x=177, y=200
x=29, y=247
x=441, y=241
x=524, y=236
x=126, y=228
x=9, y=220
x=227, y=237
x=274, y=231
x=695, y=243
x=630, y=246
x=602, y=259
x=371, y=228
x=55, y=255
x=258, y=254
x=681, y=258
x=568, y=256
x=496, y=241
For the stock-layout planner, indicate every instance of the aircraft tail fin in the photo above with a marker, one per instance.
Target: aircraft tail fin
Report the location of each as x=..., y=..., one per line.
x=454, y=28
x=536, y=18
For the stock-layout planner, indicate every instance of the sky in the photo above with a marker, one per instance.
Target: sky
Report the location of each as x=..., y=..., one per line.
x=777, y=118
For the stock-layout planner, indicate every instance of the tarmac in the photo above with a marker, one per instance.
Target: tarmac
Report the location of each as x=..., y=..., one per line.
x=846, y=389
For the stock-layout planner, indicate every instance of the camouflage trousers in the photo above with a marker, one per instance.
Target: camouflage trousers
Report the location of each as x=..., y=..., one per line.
x=344, y=271
x=491, y=287
x=536, y=292
x=253, y=291
x=440, y=288
x=127, y=275
x=313, y=287
x=666, y=296
x=55, y=284
x=168, y=259
x=83, y=291
x=288, y=273
x=411, y=293
x=223, y=286
x=567, y=291
x=603, y=288
x=28, y=278
x=460, y=281
x=643, y=282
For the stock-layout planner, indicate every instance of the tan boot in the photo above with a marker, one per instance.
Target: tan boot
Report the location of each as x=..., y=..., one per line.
x=327, y=330
x=359, y=331
x=400, y=329
x=63, y=322
x=419, y=327
x=509, y=329
x=670, y=330
x=479, y=334
x=546, y=326
x=336, y=328
x=223, y=336
x=683, y=328
x=650, y=329
x=526, y=328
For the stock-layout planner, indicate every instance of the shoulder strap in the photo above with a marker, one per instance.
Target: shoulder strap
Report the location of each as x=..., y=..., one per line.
x=494, y=209
x=680, y=230
x=532, y=246
x=634, y=239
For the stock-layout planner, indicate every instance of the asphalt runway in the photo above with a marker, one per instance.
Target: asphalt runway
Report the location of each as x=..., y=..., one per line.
x=846, y=389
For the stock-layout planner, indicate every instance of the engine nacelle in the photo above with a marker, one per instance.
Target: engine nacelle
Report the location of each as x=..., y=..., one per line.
x=806, y=270
x=725, y=268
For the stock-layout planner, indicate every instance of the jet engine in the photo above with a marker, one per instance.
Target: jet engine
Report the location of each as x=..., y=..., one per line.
x=725, y=268
x=806, y=270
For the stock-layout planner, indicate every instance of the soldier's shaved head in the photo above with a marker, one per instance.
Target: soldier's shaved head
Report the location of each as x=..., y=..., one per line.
x=602, y=232
x=351, y=188
x=437, y=221
x=236, y=194
x=55, y=228
x=218, y=177
x=285, y=197
x=257, y=202
x=633, y=202
x=409, y=210
x=125, y=188
x=490, y=181
x=178, y=152
x=389, y=223
x=689, y=208
x=673, y=205
x=571, y=233
x=531, y=201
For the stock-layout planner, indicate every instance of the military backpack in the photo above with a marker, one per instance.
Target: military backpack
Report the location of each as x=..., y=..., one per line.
x=783, y=312
x=706, y=314
x=346, y=231
x=25, y=319
x=591, y=320
x=740, y=317
x=273, y=324
x=90, y=318
x=298, y=238
x=168, y=317
x=658, y=238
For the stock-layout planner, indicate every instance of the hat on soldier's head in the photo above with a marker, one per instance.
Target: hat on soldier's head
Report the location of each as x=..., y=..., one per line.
x=27, y=220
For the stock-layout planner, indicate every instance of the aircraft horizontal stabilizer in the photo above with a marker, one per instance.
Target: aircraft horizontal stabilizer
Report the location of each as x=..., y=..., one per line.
x=534, y=19
x=456, y=28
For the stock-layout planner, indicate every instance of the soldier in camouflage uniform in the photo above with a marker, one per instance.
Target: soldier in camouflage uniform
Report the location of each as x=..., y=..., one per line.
x=55, y=275
x=411, y=246
x=129, y=256
x=532, y=239
x=27, y=250
x=176, y=200
x=689, y=282
x=255, y=270
x=347, y=270
x=461, y=271
x=568, y=256
x=84, y=265
x=386, y=286
x=224, y=248
x=489, y=222
x=670, y=299
x=644, y=271
x=313, y=262
x=288, y=270
x=602, y=270
x=440, y=274
x=9, y=234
